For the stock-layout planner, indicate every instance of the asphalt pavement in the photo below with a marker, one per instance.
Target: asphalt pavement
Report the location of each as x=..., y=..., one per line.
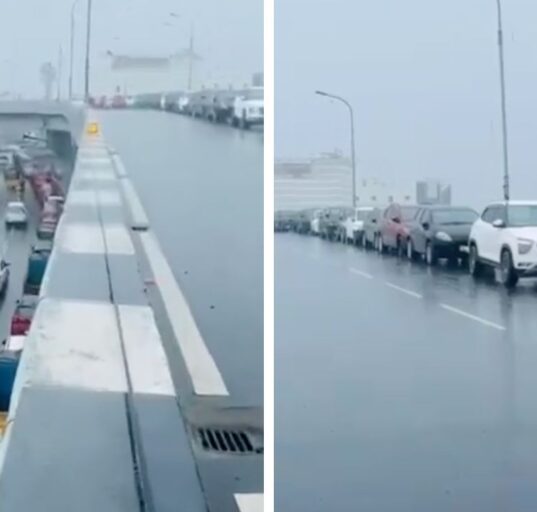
x=399, y=387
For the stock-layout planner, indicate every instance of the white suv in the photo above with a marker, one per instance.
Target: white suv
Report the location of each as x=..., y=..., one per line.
x=505, y=237
x=354, y=225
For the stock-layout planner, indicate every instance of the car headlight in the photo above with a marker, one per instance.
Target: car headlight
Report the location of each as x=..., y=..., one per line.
x=524, y=245
x=443, y=237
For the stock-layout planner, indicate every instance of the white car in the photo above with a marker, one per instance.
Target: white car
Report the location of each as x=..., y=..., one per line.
x=315, y=223
x=248, y=108
x=354, y=225
x=16, y=214
x=505, y=237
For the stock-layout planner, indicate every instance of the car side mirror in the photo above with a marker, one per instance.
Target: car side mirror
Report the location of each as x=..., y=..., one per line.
x=426, y=226
x=498, y=223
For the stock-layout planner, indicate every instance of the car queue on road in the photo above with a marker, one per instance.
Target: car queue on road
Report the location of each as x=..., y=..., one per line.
x=502, y=238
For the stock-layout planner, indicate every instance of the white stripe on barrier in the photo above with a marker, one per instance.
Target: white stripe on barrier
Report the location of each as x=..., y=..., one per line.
x=147, y=362
x=75, y=344
x=249, y=502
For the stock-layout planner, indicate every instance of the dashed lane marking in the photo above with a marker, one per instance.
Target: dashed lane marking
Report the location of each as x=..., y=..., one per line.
x=360, y=273
x=410, y=293
x=483, y=321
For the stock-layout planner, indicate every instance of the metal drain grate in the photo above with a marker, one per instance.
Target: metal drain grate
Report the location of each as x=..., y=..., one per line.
x=227, y=441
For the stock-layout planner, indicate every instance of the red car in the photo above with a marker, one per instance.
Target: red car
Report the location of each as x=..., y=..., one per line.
x=24, y=312
x=395, y=226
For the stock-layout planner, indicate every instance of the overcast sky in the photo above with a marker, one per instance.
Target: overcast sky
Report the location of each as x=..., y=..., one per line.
x=422, y=76
x=228, y=34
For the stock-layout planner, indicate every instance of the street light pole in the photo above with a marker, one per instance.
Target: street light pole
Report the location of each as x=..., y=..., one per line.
x=88, y=40
x=504, y=109
x=71, y=48
x=353, y=155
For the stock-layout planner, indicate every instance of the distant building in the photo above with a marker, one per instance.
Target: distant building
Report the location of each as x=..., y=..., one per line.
x=373, y=192
x=138, y=74
x=319, y=182
x=433, y=192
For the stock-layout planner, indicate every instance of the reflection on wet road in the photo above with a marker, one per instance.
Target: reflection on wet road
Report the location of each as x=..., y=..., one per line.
x=399, y=387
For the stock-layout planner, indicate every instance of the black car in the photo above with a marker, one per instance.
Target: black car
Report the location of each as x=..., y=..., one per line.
x=440, y=232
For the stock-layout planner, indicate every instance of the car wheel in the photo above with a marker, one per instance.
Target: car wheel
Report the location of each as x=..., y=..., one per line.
x=381, y=246
x=430, y=254
x=508, y=274
x=474, y=265
x=399, y=248
x=410, y=253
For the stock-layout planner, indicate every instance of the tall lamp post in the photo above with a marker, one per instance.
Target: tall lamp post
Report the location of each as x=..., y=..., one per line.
x=88, y=41
x=353, y=156
x=72, y=48
x=504, y=109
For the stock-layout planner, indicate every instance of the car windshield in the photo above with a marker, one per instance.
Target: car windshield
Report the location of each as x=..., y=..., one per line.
x=408, y=212
x=453, y=216
x=522, y=215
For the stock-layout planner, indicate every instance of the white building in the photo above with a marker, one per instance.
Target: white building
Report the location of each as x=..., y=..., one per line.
x=319, y=182
x=139, y=74
x=327, y=181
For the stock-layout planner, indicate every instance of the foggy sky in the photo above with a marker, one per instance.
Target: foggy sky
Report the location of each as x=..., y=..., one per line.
x=229, y=35
x=422, y=76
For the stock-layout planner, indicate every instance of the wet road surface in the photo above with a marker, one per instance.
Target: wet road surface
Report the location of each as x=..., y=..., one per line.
x=398, y=387
x=202, y=188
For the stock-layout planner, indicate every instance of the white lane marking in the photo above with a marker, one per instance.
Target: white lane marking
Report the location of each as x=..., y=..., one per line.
x=147, y=362
x=404, y=290
x=360, y=273
x=249, y=502
x=206, y=378
x=138, y=215
x=473, y=317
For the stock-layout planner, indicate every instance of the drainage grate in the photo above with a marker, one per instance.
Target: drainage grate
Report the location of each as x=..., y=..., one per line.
x=227, y=441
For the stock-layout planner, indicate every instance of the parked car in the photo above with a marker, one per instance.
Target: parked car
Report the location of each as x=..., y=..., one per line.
x=23, y=315
x=352, y=228
x=371, y=227
x=505, y=237
x=440, y=232
x=248, y=108
x=316, y=222
x=283, y=221
x=395, y=227
x=16, y=214
x=331, y=221
x=4, y=276
x=303, y=220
